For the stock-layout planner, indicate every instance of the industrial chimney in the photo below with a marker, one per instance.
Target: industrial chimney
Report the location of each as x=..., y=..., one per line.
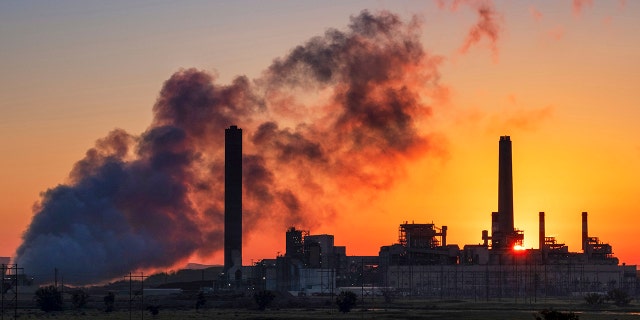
x=541, y=234
x=502, y=231
x=585, y=232
x=233, y=203
x=505, y=187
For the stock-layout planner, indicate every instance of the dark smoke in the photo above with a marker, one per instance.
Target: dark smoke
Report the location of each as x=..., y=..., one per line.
x=336, y=116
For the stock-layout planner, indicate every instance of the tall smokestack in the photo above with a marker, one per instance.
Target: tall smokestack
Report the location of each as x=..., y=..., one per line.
x=585, y=231
x=541, y=234
x=233, y=202
x=505, y=190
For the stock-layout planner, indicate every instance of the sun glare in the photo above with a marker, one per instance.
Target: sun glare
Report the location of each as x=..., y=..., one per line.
x=518, y=247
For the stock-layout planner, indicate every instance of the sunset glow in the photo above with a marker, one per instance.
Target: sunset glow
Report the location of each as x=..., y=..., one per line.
x=400, y=122
x=519, y=248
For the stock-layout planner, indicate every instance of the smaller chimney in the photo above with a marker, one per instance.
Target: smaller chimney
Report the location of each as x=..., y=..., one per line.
x=444, y=236
x=585, y=231
x=541, y=235
x=485, y=238
x=495, y=230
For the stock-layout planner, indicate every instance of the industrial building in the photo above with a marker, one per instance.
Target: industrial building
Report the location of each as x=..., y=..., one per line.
x=422, y=263
x=500, y=267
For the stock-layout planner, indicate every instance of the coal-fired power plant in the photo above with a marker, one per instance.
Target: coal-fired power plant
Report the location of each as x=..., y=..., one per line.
x=423, y=263
x=156, y=200
x=233, y=203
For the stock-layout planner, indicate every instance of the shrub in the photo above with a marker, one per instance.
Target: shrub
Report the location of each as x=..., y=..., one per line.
x=346, y=300
x=556, y=315
x=154, y=309
x=109, y=302
x=49, y=298
x=200, y=300
x=619, y=297
x=79, y=298
x=594, y=299
x=263, y=298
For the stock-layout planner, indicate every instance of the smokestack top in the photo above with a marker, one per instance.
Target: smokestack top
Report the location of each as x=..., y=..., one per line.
x=505, y=138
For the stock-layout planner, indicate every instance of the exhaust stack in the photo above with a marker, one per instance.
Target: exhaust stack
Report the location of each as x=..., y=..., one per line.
x=541, y=234
x=233, y=203
x=505, y=187
x=585, y=231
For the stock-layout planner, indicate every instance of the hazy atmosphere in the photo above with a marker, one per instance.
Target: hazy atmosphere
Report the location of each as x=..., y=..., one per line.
x=357, y=116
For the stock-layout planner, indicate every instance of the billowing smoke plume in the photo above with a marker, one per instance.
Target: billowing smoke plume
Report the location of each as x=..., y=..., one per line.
x=336, y=116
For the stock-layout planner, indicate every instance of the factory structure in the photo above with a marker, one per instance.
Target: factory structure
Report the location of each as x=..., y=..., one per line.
x=422, y=263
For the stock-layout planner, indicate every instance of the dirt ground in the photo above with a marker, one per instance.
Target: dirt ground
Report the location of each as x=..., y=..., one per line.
x=315, y=314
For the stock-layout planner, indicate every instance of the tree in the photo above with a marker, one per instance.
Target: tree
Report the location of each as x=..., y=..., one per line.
x=79, y=298
x=49, y=298
x=109, y=302
x=263, y=298
x=619, y=297
x=346, y=300
x=154, y=309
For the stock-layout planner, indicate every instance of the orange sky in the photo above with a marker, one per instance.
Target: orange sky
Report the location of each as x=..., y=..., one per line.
x=562, y=81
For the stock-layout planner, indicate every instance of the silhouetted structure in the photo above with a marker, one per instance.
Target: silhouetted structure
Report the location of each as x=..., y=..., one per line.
x=233, y=203
x=500, y=267
x=294, y=243
x=422, y=263
x=503, y=234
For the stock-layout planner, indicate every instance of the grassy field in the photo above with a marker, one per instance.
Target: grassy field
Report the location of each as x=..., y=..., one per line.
x=324, y=309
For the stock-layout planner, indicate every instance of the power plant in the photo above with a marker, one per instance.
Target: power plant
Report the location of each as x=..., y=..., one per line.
x=423, y=263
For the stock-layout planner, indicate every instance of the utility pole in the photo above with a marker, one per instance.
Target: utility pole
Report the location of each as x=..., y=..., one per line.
x=134, y=295
x=9, y=291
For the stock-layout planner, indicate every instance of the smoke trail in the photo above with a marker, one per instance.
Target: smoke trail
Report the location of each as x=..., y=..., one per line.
x=337, y=113
x=579, y=4
x=489, y=24
x=535, y=13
